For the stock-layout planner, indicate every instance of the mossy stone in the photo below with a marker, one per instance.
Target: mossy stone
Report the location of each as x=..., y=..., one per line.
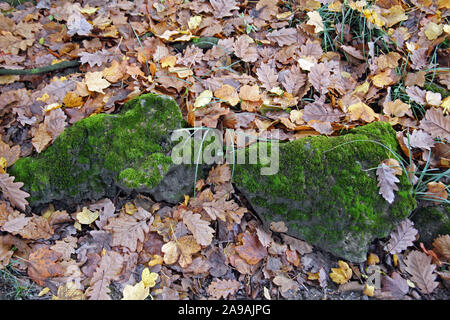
x=432, y=222
x=97, y=155
x=326, y=190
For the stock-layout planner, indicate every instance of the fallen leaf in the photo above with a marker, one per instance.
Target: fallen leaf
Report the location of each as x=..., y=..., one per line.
x=203, y=99
x=342, y=274
x=86, y=216
x=11, y=191
x=315, y=20
x=43, y=265
x=251, y=250
x=136, y=292
x=95, y=81
x=419, y=266
x=387, y=182
x=223, y=288
x=201, y=230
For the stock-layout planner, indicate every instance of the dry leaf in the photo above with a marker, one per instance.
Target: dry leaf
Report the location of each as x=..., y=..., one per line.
x=419, y=266
x=436, y=124
x=223, y=288
x=402, y=237
x=201, y=230
x=315, y=20
x=43, y=265
x=251, y=250
x=442, y=246
x=108, y=269
x=319, y=77
x=11, y=191
x=342, y=274
x=95, y=81
x=387, y=182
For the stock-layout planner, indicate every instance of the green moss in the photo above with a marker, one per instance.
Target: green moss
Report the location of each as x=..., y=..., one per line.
x=326, y=188
x=432, y=222
x=90, y=158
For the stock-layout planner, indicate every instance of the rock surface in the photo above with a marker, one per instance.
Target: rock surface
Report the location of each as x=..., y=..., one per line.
x=104, y=152
x=326, y=190
x=432, y=222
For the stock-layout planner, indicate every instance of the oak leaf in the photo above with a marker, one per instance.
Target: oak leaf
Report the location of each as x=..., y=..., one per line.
x=11, y=155
x=319, y=77
x=223, y=288
x=419, y=266
x=436, y=124
x=128, y=230
x=200, y=228
x=228, y=94
x=245, y=49
x=419, y=139
x=108, y=269
x=267, y=75
x=41, y=138
x=387, y=182
x=11, y=191
x=402, y=237
x=442, y=246
x=416, y=94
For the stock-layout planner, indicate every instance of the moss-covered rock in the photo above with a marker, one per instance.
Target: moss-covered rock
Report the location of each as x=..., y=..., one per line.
x=97, y=155
x=432, y=222
x=326, y=190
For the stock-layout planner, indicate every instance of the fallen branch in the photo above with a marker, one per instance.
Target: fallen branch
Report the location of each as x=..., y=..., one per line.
x=53, y=67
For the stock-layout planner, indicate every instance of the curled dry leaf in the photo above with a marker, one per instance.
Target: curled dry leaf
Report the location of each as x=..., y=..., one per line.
x=251, y=250
x=436, y=191
x=442, y=246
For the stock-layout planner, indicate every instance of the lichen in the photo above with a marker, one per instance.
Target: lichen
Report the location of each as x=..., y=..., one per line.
x=326, y=189
x=96, y=155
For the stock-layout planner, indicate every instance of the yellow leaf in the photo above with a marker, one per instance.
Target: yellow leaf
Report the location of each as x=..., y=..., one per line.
x=149, y=278
x=396, y=108
x=88, y=10
x=342, y=274
x=382, y=79
x=95, y=81
x=284, y=15
x=394, y=15
x=194, y=22
x=335, y=6
x=369, y=290
x=86, y=216
x=203, y=99
x=136, y=292
x=3, y=164
x=44, y=291
x=186, y=200
x=156, y=259
x=72, y=100
x=361, y=111
x=168, y=61
x=373, y=259
x=433, y=30
x=130, y=208
x=446, y=105
x=373, y=17
x=363, y=88
x=315, y=20
x=313, y=276
x=44, y=97
x=9, y=79
x=395, y=260
x=182, y=72
x=77, y=226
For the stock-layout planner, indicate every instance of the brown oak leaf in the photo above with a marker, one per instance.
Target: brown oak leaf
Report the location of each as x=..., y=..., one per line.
x=223, y=288
x=11, y=191
x=419, y=266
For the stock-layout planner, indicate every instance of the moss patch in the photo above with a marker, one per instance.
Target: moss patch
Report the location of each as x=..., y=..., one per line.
x=96, y=155
x=326, y=190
